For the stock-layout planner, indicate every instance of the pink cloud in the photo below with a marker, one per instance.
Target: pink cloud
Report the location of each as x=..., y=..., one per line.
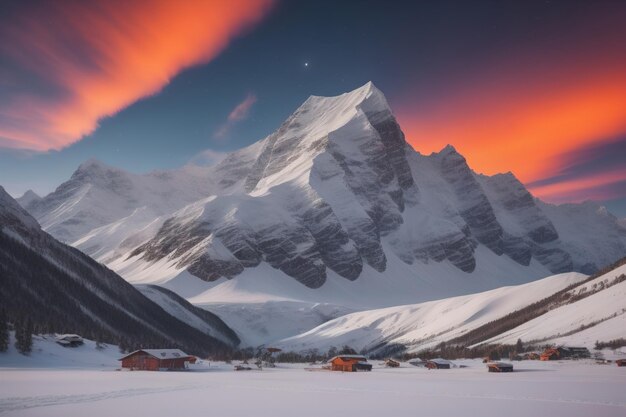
x=239, y=113
x=89, y=60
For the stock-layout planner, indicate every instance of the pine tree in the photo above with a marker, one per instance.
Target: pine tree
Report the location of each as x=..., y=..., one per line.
x=24, y=336
x=4, y=331
x=519, y=346
x=17, y=327
x=28, y=336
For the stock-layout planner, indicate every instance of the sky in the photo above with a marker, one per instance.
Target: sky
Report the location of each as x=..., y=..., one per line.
x=537, y=88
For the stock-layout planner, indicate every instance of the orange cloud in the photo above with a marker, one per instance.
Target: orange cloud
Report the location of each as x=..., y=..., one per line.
x=526, y=115
x=96, y=58
x=601, y=186
x=521, y=129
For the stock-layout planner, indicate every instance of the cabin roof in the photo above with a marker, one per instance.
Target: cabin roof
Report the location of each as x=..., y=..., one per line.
x=68, y=336
x=441, y=361
x=161, y=353
x=359, y=357
x=500, y=364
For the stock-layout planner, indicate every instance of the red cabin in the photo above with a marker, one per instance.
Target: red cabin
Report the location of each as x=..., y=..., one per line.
x=350, y=363
x=621, y=362
x=157, y=360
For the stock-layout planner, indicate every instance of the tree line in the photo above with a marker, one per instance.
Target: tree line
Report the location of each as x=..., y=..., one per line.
x=23, y=334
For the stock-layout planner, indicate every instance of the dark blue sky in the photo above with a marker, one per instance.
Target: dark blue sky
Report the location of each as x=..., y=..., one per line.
x=420, y=54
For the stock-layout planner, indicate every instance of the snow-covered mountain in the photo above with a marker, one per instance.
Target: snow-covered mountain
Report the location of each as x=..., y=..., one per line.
x=28, y=198
x=63, y=290
x=562, y=309
x=335, y=208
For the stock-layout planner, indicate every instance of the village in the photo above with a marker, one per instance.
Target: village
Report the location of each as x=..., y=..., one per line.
x=349, y=361
x=67, y=375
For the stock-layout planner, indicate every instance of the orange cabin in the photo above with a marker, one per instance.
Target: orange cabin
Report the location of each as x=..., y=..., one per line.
x=350, y=363
x=550, y=355
x=157, y=360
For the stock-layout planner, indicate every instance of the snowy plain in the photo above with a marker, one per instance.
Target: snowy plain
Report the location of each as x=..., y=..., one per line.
x=536, y=389
x=85, y=381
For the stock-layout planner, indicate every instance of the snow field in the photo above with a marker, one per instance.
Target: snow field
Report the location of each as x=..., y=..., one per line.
x=539, y=389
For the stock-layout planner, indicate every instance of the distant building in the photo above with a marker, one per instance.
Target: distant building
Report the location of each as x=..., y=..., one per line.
x=565, y=352
x=621, y=362
x=350, y=363
x=499, y=367
x=390, y=363
x=69, y=340
x=157, y=360
x=417, y=362
x=438, y=364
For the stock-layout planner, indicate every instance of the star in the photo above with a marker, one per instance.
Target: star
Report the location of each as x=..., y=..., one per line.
x=306, y=64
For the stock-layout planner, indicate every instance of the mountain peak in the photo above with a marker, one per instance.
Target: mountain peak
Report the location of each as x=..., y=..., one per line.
x=368, y=98
x=94, y=170
x=448, y=149
x=31, y=194
x=28, y=198
x=10, y=210
x=91, y=164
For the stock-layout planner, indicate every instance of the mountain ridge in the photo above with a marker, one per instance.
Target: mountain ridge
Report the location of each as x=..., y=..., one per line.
x=63, y=290
x=328, y=191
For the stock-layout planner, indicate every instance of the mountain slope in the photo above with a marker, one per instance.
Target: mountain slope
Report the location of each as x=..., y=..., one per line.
x=425, y=325
x=336, y=200
x=566, y=309
x=62, y=290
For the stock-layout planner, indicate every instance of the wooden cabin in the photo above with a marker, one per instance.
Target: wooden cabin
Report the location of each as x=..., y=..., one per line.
x=574, y=352
x=533, y=356
x=565, y=352
x=157, y=360
x=390, y=363
x=417, y=362
x=499, y=367
x=69, y=340
x=350, y=363
x=550, y=354
x=438, y=364
x=621, y=362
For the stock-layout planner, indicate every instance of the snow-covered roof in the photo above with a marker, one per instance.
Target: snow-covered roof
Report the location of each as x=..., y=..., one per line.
x=441, y=361
x=161, y=353
x=500, y=364
x=68, y=337
x=360, y=357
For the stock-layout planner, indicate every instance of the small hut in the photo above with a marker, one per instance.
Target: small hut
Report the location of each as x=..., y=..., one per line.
x=438, y=364
x=565, y=352
x=69, y=340
x=350, y=363
x=157, y=360
x=499, y=367
x=533, y=356
x=390, y=363
x=550, y=354
x=417, y=362
x=621, y=362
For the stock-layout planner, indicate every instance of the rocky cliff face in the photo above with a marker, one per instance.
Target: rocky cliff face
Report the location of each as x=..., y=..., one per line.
x=335, y=188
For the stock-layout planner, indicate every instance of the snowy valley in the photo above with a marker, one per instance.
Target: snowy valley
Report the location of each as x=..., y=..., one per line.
x=330, y=233
x=331, y=214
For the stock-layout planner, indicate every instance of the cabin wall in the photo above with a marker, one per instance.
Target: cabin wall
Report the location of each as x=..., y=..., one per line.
x=344, y=366
x=150, y=363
